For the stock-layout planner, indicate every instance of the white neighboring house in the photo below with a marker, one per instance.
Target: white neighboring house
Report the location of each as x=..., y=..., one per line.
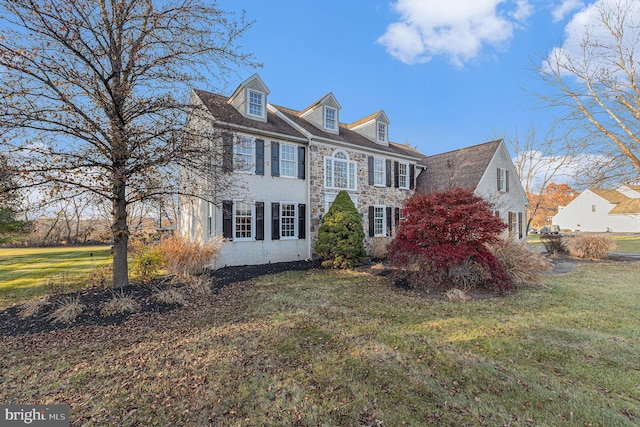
x=487, y=170
x=598, y=210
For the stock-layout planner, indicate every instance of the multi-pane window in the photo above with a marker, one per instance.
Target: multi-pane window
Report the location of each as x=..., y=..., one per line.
x=330, y=118
x=403, y=175
x=503, y=176
x=382, y=132
x=288, y=160
x=340, y=172
x=256, y=103
x=243, y=154
x=243, y=220
x=379, y=221
x=378, y=171
x=288, y=220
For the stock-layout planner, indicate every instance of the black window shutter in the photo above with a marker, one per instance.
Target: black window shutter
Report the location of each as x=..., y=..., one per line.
x=498, y=187
x=275, y=221
x=302, y=221
x=275, y=158
x=227, y=152
x=227, y=219
x=520, y=225
x=397, y=217
x=370, y=165
x=259, y=220
x=387, y=168
x=389, y=221
x=506, y=180
x=412, y=176
x=260, y=156
x=371, y=228
x=301, y=163
x=396, y=174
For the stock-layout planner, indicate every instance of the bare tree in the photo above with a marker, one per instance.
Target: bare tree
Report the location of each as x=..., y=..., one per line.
x=95, y=97
x=539, y=161
x=594, y=82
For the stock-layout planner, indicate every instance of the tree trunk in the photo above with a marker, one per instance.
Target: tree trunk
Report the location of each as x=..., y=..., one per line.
x=120, y=233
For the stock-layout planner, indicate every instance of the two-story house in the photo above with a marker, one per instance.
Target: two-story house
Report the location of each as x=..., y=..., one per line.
x=287, y=167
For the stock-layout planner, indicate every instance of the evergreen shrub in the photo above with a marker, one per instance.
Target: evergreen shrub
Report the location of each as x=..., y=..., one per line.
x=341, y=235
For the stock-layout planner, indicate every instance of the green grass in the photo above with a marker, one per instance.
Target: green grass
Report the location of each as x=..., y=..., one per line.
x=344, y=348
x=29, y=272
x=625, y=242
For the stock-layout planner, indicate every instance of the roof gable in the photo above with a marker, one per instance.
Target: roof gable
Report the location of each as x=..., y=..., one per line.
x=463, y=168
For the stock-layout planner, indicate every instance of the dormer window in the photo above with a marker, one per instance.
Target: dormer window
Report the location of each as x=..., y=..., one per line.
x=255, y=103
x=330, y=118
x=382, y=132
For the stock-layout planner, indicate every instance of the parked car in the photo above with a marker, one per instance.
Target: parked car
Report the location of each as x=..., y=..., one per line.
x=533, y=230
x=550, y=229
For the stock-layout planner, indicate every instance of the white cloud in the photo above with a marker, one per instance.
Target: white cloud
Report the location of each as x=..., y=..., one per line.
x=588, y=22
x=457, y=29
x=564, y=8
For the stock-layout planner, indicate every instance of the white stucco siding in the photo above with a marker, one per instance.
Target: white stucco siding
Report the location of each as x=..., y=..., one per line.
x=590, y=212
x=252, y=188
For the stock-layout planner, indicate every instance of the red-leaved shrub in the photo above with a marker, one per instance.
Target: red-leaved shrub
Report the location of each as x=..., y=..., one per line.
x=440, y=234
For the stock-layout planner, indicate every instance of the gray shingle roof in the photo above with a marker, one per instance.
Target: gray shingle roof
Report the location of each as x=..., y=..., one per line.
x=222, y=111
x=461, y=168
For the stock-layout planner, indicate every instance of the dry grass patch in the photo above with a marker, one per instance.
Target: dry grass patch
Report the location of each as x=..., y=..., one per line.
x=524, y=266
x=69, y=310
x=590, y=246
x=185, y=257
x=169, y=296
x=33, y=306
x=119, y=304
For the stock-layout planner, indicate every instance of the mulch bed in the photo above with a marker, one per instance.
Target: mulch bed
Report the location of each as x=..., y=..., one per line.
x=12, y=324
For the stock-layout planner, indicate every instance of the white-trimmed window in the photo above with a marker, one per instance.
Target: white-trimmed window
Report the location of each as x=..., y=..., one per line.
x=403, y=175
x=381, y=131
x=503, y=180
x=243, y=221
x=330, y=198
x=288, y=160
x=288, y=220
x=243, y=154
x=379, y=172
x=379, y=221
x=330, y=118
x=255, y=103
x=339, y=171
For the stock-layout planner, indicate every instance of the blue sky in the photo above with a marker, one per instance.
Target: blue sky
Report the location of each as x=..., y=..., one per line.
x=448, y=74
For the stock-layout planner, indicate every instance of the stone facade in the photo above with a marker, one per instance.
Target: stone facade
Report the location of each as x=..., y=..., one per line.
x=363, y=196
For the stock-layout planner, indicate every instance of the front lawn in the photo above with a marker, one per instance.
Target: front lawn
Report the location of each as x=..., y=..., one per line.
x=29, y=272
x=348, y=348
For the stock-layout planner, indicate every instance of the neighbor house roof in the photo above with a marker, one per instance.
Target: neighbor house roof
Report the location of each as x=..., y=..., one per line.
x=461, y=168
x=623, y=204
x=612, y=196
x=224, y=112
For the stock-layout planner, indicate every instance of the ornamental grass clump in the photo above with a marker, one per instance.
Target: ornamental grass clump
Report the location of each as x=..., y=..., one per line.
x=524, y=266
x=185, y=257
x=590, y=246
x=341, y=235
